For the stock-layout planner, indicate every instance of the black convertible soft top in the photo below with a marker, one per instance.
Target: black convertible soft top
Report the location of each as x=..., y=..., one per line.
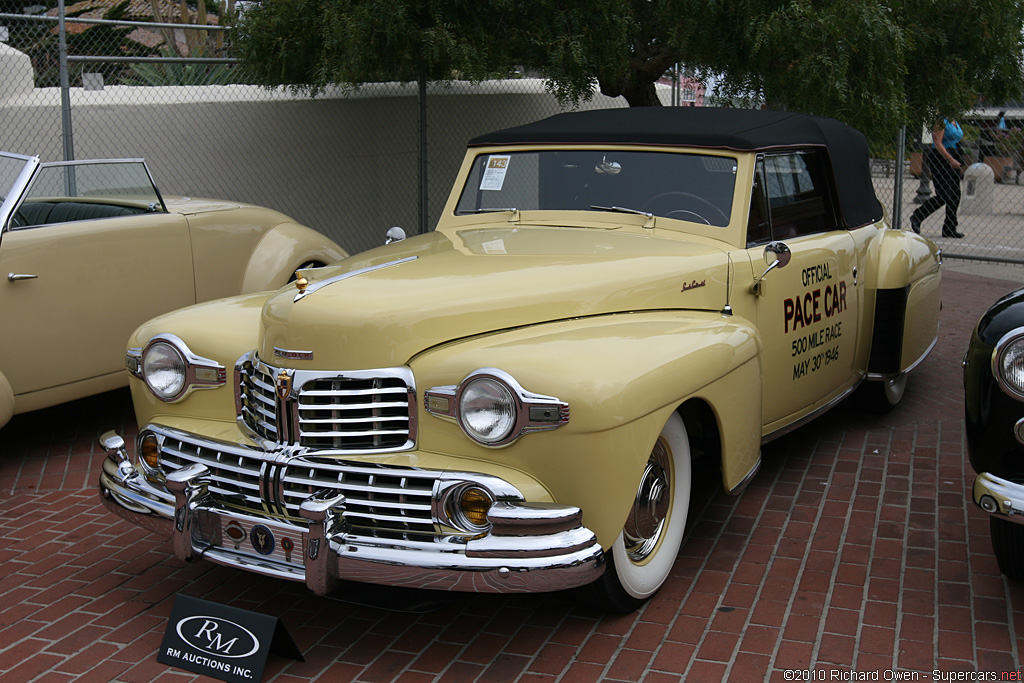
x=715, y=128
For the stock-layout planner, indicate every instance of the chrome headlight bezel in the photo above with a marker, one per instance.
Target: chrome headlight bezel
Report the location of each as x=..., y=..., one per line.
x=1007, y=354
x=529, y=412
x=196, y=372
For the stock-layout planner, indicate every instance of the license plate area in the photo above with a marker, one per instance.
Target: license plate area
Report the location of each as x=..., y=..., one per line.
x=257, y=538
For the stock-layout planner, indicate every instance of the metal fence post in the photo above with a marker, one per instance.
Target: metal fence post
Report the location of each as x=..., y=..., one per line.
x=65, y=87
x=421, y=99
x=897, y=199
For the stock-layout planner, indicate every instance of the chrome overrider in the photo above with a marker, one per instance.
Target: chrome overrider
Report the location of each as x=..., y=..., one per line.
x=1001, y=497
x=524, y=547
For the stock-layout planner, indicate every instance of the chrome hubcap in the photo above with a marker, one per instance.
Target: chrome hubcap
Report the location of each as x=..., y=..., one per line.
x=894, y=388
x=646, y=521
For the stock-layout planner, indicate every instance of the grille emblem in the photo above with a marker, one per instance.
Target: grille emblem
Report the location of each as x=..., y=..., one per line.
x=284, y=384
x=262, y=539
x=235, y=532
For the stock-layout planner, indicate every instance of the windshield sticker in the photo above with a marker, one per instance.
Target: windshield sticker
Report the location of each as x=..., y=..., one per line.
x=494, y=174
x=494, y=247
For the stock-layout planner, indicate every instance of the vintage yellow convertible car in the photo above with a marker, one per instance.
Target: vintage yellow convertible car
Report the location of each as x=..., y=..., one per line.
x=512, y=402
x=89, y=250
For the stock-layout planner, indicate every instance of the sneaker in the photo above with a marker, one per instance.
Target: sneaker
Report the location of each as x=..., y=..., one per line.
x=952, y=233
x=915, y=224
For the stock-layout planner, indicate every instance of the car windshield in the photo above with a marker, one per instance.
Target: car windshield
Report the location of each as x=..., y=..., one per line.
x=122, y=181
x=690, y=187
x=10, y=168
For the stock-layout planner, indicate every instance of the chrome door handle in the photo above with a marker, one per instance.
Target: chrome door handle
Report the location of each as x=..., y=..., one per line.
x=14, y=277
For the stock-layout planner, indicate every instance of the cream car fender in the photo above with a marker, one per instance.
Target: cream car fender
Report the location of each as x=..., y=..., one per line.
x=622, y=376
x=283, y=249
x=6, y=400
x=906, y=296
x=236, y=320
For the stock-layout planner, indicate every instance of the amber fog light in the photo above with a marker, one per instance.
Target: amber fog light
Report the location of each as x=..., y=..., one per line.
x=469, y=508
x=149, y=452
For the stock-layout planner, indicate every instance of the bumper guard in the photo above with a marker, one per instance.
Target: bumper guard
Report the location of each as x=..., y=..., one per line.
x=530, y=547
x=999, y=497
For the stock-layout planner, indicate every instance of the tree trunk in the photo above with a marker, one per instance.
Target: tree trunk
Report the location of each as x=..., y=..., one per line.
x=636, y=94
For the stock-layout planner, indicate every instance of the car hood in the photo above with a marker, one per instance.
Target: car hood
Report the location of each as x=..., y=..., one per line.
x=382, y=307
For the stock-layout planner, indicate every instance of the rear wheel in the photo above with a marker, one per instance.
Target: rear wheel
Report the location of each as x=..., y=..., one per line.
x=1008, y=546
x=879, y=397
x=641, y=558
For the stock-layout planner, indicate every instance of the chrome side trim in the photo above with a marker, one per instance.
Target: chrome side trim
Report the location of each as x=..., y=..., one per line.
x=793, y=426
x=738, y=489
x=876, y=376
x=320, y=284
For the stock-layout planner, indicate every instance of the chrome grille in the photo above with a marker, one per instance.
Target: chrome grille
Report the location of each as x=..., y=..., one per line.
x=258, y=400
x=380, y=501
x=354, y=414
x=332, y=412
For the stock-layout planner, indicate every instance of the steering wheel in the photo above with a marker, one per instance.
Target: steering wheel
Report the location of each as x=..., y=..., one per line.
x=673, y=194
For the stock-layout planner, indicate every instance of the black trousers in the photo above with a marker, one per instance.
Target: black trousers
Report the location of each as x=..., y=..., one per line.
x=946, y=180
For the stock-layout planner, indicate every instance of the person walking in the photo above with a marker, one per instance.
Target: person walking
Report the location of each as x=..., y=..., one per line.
x=944, y=162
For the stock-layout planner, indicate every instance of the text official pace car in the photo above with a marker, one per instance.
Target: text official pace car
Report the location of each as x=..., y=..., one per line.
x=512, y=402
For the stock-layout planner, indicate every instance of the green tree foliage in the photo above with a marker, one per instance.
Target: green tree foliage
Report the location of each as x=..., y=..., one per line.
x=309, y=44
x=876, y=64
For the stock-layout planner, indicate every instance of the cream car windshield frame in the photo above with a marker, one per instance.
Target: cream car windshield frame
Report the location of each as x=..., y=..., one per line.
x=126, y=182
x=16, y=170
x=689, y=186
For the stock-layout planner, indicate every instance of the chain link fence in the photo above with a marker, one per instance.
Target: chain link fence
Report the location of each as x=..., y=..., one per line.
x=123, y=80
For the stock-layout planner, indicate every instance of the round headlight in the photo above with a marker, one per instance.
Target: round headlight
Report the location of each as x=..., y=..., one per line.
x=1011, y=366
x=487, y=410
x=163, y=368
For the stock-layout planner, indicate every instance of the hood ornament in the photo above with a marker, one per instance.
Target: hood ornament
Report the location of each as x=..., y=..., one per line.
x=307, y=289
x=301, y=283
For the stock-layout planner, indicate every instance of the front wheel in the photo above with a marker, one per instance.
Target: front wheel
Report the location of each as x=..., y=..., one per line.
x=640, y=559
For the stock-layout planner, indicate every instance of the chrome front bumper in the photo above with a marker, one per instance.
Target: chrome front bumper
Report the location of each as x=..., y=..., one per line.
x=530, y=547
x=999, y=497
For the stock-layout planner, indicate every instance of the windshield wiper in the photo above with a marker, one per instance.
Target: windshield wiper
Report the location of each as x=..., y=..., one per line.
x=510, y=209
x=622, y=209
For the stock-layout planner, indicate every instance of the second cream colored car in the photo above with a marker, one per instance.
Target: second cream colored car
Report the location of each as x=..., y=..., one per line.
x=91, y=249
x=512, y=402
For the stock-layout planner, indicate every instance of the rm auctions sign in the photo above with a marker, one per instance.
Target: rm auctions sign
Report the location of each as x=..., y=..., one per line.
x=221, y=641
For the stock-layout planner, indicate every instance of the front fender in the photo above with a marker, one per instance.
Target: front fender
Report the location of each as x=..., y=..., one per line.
x=220, y=330
x=281, y=250
x=622, y=376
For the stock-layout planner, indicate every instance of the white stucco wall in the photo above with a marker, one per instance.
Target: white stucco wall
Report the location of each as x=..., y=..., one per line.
x=343, y=164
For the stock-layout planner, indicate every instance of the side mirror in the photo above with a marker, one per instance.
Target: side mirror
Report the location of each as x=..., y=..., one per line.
x=395, y=234
x=777, y=255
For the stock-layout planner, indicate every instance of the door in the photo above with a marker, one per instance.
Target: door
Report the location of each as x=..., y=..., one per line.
x=71, y=293
x=807, y=311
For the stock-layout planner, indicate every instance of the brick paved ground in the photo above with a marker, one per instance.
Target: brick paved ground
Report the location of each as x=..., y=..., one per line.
x=852, y=551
